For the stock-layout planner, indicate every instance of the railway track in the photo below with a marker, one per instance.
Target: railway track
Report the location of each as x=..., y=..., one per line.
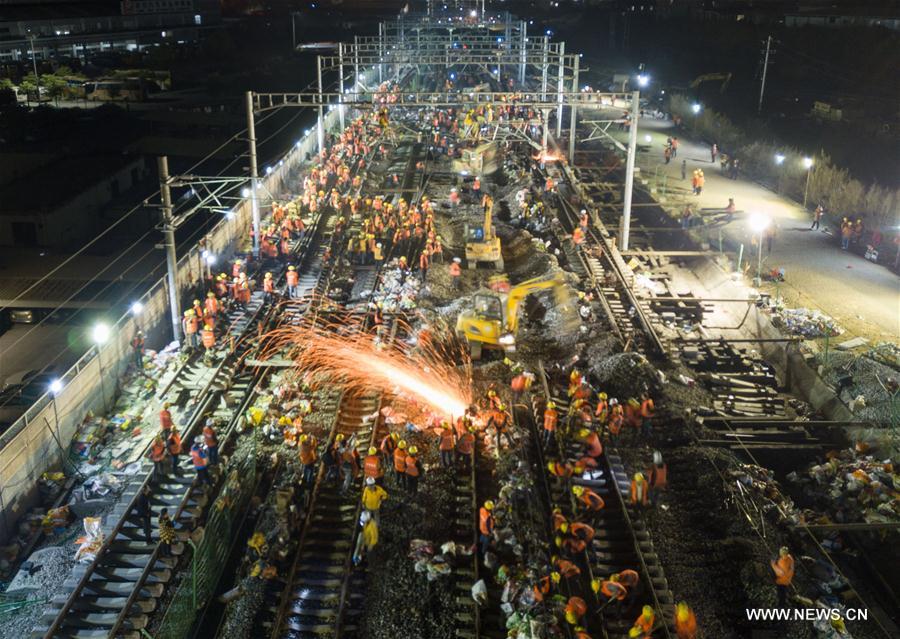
x=622, y=541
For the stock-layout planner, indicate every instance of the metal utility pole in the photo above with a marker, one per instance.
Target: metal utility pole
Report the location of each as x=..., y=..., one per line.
x=545, y=66
x=254, y=174
x=629, y=167
x=320, y=123
x=574, y=111
x=522, y=55
x=545, y=125
x=168, y=229
x=560, y=87
x=341, y=84
x=762, y=85
x=380, y=51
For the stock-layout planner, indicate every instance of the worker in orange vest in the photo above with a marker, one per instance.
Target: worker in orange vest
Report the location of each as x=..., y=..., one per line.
x=387, y=446
x=500, y=420
x=564, y=567
x=157, y=455
x=519, y=384
x=413, y=470
x=557, y=519
x=372, y=466
x=578, y=536
x=201, y=460
x=465, y=447
x=611, y=590
x=561, y=471
x=165, y=419
x=633, y=413
x=602, y=410
x=616, y=421
x=173, y=444
x=197, y=308
x=293, y=282
x=268, y=288
x=644, y=623
x=190, y=325
x=212, y=304
x=639, y=490
x=446, y=444
x=485, y=526
x=551, y=419
x=685, y=621
x=783, y=567
x=455, y=273
x=308, y=457
x=578, y=236
x=587, y=499
x=423, y=265
x=400, y=463
x=647, y=412
x=575, y=609
x=211, y=441
x=591, y=442
x=658, y=476
x=209, y=342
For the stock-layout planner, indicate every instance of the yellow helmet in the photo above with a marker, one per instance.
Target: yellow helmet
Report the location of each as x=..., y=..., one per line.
x=634, y=632
x=373, y=450
x=489, y=505
x=413, y=450
x=578, y=491
x=551, y=405
x=682, y=611
x=555, y=577
x=571, y=618
x=395, y=436
x=339, y=437
x=550, y=466
x=638, y=477
x=602, y=395
x=445, y=424
x=268, y=276
x=401, y=444
x=210, y=294
x=501, y=406
x=291, y=268
x=647, y=611
x=583, y=433
x=595, y=585
x=304, y=438
x=492, y=393
x=564, y=527
x=196, y=302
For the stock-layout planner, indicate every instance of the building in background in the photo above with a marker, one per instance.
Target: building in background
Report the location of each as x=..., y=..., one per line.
x=81, y=30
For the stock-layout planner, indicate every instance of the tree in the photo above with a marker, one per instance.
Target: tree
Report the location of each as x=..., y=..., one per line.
x=29, y=85
x=55, y=86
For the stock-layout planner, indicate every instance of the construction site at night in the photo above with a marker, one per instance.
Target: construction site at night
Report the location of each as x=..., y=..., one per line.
x=457, y=369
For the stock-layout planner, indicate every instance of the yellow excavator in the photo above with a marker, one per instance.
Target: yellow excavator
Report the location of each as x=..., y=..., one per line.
x=482, y=243
x=494, y=320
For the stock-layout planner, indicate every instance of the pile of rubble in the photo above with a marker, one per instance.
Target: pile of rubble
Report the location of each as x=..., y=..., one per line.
x=853, y=487
x=809, y=323
x=864, y=382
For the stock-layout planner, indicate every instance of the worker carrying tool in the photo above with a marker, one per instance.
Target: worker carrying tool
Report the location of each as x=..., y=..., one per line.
x=643, y=625
x=587, y=499
x=783, y=567
x=685, y=621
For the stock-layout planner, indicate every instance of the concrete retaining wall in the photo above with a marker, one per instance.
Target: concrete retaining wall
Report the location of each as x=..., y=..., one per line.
x=29, y=447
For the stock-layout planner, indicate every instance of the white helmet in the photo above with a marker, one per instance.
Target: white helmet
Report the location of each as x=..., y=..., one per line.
x=370, y=481
x=365, y=516
x=657, y=458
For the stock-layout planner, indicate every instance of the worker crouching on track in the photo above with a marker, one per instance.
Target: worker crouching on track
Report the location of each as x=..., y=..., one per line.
x=587, y=500
x=367, y=538
x=644, y=624
x=685, y=621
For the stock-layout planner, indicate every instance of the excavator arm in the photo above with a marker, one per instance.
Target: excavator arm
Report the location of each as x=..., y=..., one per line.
x=518, y=293
x=725, y=77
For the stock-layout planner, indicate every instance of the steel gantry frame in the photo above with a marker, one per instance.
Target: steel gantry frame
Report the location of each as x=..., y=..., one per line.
x=413, y=41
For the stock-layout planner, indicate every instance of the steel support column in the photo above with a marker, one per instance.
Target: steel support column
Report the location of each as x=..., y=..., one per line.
x=341, y=85
x=560, y=87
x=629, y=167
x=320, y=124
x=168, y=228
x=254, y=173
x=573, y=125
x=524, y=41
x=545, y=67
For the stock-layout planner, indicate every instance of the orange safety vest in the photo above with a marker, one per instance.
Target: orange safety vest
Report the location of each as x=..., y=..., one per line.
x=209, y=338
x=466, y=444
x=613, y=590
x=686, y=629
x=174, y=444
x=629, y=578
x=647, y=408
x=639, y=492
x=372, y=466
x=209, y=437
x=400, y=460
x=576, y=606
x=615, y=423
x=551, y=418
x=446, y=440
x=268, y=285
x=455, y=269
x=387, y=445
x=558, y=519
x=659, y=476
x=190, y=325
x=307, y=453
x=594, y=447
x=158, y=451
x=591, y=500
x=292, y=278
x=485, y=521
x=602, y=408
x=165, y=419
x=199, y=458
x=645, y=623
x=784, y=570
x=412, y=468
x=212, y=305
x=567, y=569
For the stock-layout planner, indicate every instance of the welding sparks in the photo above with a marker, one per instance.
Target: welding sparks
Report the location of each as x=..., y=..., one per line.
x=545, y=157
x=340, y=353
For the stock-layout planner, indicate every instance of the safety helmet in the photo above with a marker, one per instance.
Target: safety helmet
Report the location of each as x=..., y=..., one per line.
x=555, y=577
x=198, y=439
x=492, y=393
x=634, y=632
x=614, y=402
x=238, y=262
x=578, y=491
x=657, y=458
x=401, y=444
x=501, y=406
x=583, y=433
x=551, y=404
x=373, y=450
x=370, y=481
x=595, y=585
x=489, y=505
x=445, y=424
x=564, y=527
x=291, y=268
x=196, y=302
x=573, y=375
x=167, y=405
x=210, y=294
x=339, y=437
x=647, y=611
x=682, y=611
x=413, y=450
x=304, y=438
x=395, y=436
x=638, y=477
x=268, y=276
x=601, y=395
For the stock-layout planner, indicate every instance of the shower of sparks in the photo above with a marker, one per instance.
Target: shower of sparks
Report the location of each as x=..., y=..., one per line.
x=421, y=367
